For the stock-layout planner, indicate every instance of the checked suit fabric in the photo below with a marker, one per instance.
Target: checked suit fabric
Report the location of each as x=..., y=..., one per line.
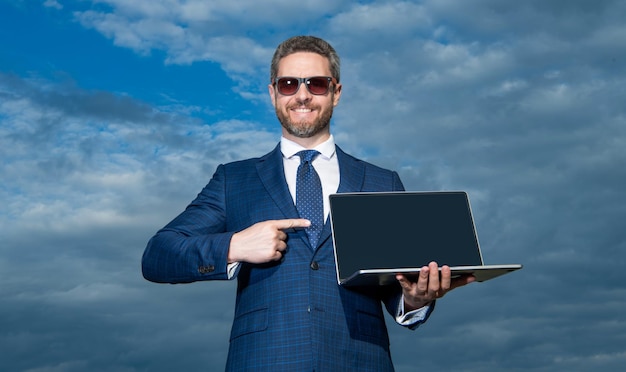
x=309, y=200
x=280, y=323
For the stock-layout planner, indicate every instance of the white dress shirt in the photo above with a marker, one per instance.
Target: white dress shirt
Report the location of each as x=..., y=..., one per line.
x=325, y=164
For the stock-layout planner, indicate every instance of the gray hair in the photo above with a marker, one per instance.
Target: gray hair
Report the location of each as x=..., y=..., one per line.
x=310, y=44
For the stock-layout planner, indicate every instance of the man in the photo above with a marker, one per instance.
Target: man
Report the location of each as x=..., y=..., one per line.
x=290, y=313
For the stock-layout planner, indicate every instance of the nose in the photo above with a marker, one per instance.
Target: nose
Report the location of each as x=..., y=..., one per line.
x=303, y=94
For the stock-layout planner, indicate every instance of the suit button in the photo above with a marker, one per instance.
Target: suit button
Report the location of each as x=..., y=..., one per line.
x=206, y=269
x=315, y=265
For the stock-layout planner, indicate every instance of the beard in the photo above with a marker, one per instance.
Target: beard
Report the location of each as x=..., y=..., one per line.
x=304, y=129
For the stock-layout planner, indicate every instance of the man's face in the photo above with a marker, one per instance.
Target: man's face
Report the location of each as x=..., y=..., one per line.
x=303, y=114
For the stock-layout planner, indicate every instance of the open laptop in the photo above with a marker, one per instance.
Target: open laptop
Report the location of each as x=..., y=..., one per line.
x=379, y=234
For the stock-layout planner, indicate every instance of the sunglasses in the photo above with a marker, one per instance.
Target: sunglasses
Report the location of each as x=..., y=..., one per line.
x=318, y=85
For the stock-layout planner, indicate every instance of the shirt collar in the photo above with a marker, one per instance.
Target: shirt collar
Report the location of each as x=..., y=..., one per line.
x=290, y=148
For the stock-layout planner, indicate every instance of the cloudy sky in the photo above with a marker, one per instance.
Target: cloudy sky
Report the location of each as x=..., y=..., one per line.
x=114, y=114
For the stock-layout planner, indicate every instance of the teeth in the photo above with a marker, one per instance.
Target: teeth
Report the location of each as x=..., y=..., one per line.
x=302, y=110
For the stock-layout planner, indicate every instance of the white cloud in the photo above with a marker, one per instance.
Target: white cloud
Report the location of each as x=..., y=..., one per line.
x=399, y=19
x=53, y=4
x=193, y=31
x=83, y=172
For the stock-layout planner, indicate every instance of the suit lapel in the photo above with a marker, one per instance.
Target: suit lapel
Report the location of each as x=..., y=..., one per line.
x=352, y=174
x=271, y=172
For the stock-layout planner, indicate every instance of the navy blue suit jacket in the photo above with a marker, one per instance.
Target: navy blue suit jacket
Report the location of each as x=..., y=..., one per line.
x=291, y=314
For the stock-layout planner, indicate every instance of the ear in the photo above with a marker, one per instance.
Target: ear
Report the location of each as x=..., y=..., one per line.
x=336, y=94
x=272, y=92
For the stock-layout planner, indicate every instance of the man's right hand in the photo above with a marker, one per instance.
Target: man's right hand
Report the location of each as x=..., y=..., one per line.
x=263, y=242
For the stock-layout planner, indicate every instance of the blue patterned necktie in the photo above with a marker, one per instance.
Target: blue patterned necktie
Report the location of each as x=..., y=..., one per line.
x=309, y=199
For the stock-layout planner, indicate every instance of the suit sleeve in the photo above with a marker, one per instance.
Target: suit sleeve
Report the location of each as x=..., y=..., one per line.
x=194, y=246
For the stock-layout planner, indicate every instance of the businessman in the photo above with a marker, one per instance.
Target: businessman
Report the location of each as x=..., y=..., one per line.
x=264, y=221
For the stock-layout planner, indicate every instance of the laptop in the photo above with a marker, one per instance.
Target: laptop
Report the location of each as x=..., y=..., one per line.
x=379, y=234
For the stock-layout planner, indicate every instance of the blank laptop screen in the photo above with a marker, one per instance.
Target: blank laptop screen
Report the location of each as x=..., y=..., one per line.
x=403, y=230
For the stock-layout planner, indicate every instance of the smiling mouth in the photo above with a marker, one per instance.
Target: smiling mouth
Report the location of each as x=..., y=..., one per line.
x=302, y=110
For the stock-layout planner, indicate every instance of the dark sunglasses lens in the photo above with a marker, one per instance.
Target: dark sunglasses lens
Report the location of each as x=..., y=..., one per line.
x=318, y=85
x=287, y=86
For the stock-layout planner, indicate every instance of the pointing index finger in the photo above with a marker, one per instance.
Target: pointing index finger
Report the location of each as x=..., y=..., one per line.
x=292, y=223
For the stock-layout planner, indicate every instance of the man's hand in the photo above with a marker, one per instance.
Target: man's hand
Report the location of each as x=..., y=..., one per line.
x=262, y=242
x=430, y=285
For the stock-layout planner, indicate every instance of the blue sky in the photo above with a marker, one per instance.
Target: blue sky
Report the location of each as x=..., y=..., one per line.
x=114, y=114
